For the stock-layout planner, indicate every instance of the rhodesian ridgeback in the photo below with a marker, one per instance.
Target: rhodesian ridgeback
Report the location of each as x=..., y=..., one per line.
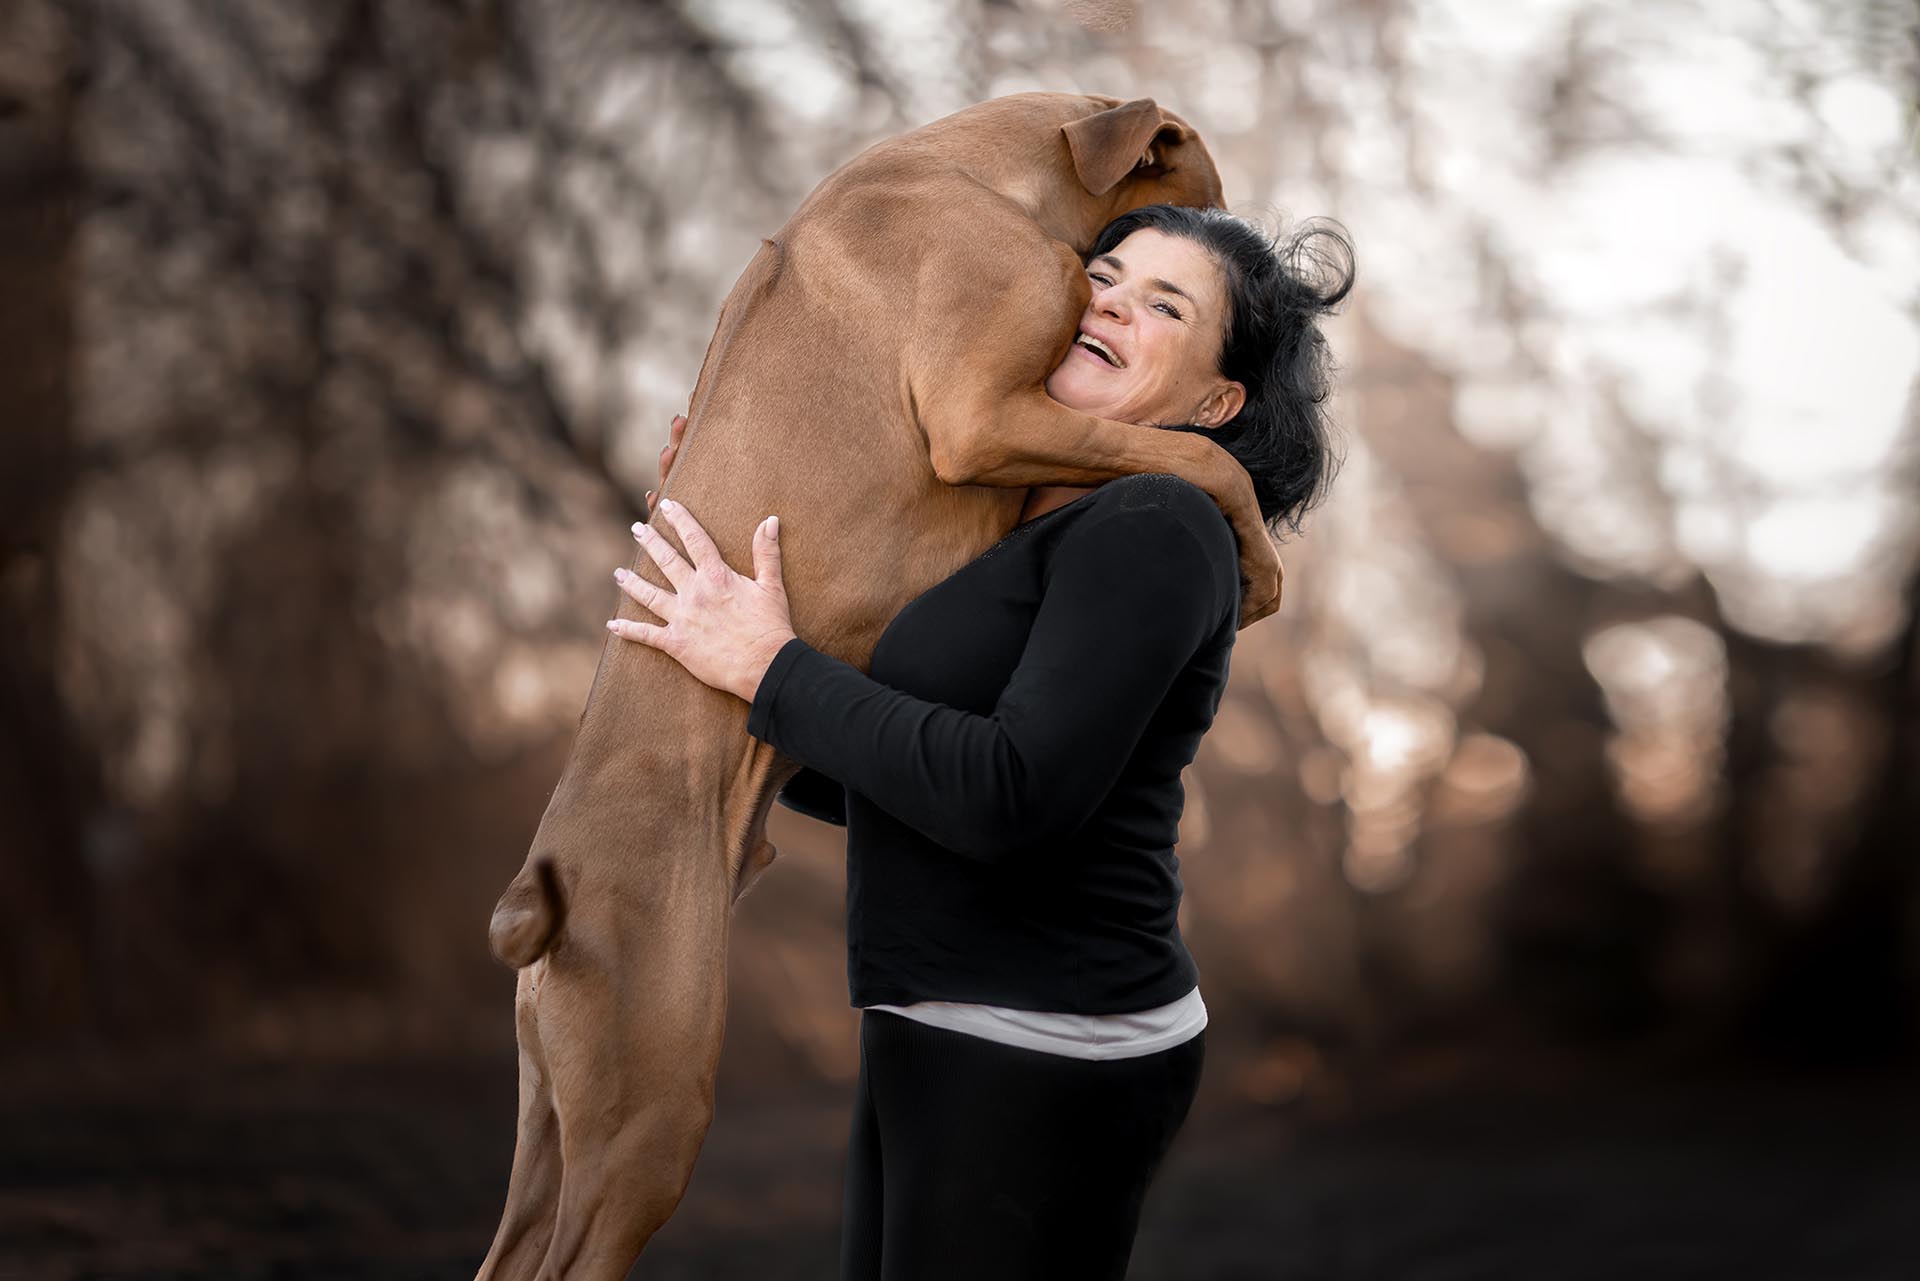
x=876, y=379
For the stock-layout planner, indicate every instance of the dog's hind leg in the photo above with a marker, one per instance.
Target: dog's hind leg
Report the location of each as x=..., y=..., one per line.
x=634, y=1089
x=621, y=1187
x=533, y=1190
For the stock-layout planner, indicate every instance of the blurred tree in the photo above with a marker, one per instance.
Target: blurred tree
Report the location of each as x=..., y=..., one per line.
x=47, y=779
x=343, y=338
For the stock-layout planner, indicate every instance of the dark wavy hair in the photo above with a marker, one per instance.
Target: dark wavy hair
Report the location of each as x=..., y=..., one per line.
x=1277, y=289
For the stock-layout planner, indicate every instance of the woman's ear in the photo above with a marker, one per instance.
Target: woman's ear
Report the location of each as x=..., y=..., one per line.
x=1221, y=405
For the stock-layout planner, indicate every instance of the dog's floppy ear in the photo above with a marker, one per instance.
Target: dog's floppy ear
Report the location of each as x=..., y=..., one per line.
x=1108, y=145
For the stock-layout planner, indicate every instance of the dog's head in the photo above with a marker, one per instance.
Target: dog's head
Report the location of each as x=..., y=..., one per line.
x=1129, y=154
x=1075, y=161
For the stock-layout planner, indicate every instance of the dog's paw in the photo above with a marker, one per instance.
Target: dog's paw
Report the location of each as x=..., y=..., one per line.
x=1252, y=611
x=1260, y=596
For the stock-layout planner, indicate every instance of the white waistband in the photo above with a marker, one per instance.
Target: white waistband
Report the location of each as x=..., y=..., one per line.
x=1079, y=1036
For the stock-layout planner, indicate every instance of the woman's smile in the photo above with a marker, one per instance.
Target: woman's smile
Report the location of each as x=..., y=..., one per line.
x=1092, y=355
x=1153, y=326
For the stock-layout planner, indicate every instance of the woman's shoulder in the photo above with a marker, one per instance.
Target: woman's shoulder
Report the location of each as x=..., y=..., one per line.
x=1176, y=497
x=1131, y=514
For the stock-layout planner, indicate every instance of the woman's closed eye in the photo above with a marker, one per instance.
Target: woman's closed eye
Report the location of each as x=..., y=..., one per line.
x=1106, y=282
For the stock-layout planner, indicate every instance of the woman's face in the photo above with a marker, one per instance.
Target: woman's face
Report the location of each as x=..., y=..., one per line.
x=1160, y=308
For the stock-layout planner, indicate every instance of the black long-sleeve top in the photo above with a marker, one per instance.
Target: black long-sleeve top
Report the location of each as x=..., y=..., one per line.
x=1012, y=761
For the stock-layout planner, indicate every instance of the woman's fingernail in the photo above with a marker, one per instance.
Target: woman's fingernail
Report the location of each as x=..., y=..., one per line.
x=773, y=526
x=619, y=575
x=637, y=527
x=613, y=625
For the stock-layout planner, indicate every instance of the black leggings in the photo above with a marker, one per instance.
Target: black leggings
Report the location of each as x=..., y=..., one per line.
x=971, y=1159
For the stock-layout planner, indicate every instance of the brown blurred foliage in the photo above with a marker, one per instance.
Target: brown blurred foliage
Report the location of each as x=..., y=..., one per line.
x=338, y=342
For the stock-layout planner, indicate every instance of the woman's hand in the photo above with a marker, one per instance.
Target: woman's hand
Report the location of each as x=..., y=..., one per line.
x=721, y=626
x=676, y=432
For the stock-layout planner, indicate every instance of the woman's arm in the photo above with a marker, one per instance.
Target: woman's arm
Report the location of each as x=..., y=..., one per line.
x=1130, y=597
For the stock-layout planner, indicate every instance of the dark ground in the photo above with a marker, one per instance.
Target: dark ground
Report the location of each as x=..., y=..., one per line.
x=192, y=1169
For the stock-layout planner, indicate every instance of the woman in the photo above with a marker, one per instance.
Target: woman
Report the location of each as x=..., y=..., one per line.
x=1032, y=1028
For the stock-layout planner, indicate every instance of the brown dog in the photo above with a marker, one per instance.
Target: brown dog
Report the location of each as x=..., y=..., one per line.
x=876, y=380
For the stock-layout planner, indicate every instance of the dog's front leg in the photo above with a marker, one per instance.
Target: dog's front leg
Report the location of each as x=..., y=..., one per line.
x=1029, y=438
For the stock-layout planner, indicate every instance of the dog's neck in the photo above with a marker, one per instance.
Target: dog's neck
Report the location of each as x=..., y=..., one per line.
x=1068, y=216
x=1026, y=190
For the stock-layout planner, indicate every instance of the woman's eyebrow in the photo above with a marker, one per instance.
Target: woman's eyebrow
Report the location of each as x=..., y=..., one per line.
x=1157, y=283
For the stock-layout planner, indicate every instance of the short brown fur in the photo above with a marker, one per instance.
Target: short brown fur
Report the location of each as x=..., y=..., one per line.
x=876, y=378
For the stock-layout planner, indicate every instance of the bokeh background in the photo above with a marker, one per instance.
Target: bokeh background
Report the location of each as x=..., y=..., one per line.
x=1551, y=865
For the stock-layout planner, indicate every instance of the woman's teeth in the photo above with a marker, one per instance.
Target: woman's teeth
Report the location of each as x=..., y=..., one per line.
x=1098, y=348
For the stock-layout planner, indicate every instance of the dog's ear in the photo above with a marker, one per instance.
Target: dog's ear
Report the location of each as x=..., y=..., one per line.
x=1110, y=144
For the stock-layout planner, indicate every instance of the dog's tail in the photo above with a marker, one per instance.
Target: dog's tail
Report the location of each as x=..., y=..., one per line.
x=528, y=916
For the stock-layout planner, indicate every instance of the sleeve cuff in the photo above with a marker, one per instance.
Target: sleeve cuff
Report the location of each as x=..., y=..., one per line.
x=760, y=712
